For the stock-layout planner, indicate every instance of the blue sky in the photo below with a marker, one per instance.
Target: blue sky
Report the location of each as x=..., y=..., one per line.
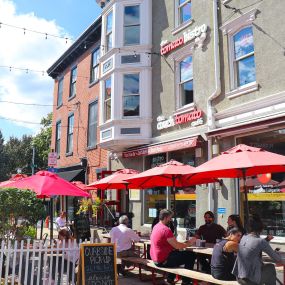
x=68, y=18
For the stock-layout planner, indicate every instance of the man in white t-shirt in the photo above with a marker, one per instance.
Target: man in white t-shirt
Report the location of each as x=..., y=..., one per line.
x=123, y=237
x=61, y=220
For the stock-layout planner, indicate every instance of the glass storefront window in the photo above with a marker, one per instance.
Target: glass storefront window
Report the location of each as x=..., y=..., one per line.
x=267, y=199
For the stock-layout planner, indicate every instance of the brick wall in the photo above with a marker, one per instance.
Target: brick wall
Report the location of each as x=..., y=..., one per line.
x=85, y=94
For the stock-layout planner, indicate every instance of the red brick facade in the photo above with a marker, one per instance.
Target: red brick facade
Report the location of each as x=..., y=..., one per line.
x=85, y=94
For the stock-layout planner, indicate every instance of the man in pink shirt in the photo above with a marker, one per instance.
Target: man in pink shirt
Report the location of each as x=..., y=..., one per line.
x=164, y=249
x=123, y=237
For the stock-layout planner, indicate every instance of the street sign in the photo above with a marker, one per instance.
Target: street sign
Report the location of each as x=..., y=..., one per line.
x=221, y=210
x=52, y=159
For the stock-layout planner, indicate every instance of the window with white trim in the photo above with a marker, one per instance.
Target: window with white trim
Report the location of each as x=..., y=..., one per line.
x=94, y=74
x=184, y=11
x=73, y=78
x=59, y=92
x=186, y=92
x=132, y=25
x=57, y=137
x=69, y=145
x=92, y=124
x=109, y=29
x=243, y=60
x=107, y=99
x=131, y=95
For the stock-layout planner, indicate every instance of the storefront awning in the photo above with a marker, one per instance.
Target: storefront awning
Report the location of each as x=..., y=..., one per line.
x=161, y=148
x=71, y=175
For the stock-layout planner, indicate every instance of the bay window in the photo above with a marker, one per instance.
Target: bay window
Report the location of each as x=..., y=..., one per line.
x=131, y=95
x=107, y=99
x=132, y=25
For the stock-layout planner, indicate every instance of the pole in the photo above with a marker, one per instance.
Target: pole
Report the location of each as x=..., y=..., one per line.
x=51, y=218
x=246, y=200
x=127, y=199
x=42, y=224
x=33, y=160
x=174, y=205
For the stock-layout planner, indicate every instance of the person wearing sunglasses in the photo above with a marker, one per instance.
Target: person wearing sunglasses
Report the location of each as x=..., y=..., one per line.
x=224, y=256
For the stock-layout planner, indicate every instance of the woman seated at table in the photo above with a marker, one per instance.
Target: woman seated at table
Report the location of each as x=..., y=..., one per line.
x=224, y=256
x=249, y=268
x=70, y=255
x=234, y=221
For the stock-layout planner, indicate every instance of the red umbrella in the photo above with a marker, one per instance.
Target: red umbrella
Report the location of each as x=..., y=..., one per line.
x=239, y=162
x=46, y=183
x=253, y=182
x=82, y=186
x=116, y=181
x=14, y=177
x=167, y=174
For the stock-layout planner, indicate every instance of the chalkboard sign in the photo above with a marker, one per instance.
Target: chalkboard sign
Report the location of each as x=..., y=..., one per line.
x=82, y=227
x=98, y=264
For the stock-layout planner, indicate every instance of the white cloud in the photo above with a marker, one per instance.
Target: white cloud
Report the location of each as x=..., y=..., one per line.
x=31, y=51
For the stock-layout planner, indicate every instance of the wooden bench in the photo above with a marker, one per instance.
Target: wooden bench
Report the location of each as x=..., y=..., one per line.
x=195, y=275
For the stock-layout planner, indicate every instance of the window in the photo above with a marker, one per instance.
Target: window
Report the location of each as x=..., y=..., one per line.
x=94, y=76
x=130, y=58
x=186, y=81
x=69, y=147
x=243, y=57
x=184, y=11
x=59, y=92
x=57, y=137
x=92, y=124
x=109, y=27
x=132, y=25
x=73, y=79
x=107, y=99
x=131, y=95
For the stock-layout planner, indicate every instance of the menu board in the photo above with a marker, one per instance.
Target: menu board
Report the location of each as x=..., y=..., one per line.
x=82, y=228
x=98, y=264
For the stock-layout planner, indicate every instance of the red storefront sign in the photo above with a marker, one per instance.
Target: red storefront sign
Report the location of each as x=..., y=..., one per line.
x=166, y=147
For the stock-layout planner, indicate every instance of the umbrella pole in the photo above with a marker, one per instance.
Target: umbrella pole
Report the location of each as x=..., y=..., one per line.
x=246, y=201
x=174, y=206
x=42, y=224
x=127, y=199
x=51, y=218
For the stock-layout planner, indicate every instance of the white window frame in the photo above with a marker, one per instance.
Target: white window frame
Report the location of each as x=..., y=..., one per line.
x=178, y=25
x=57, y=137
x=123, y=95
x=106, y=100
x=92, y=125
x=110, y=33
x=70, y=134
x=133, y=25
x=229, y=29
x=60, y=92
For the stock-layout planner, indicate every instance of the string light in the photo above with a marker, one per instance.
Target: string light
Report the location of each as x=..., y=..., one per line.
x=36, y=32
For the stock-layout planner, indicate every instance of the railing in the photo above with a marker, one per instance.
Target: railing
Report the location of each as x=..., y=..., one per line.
x=33, y=262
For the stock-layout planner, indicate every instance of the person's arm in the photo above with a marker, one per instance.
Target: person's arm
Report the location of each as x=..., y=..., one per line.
x=223, y=231
x=180, y=245
x=198, y=234
x=112, y=236
x=268, y=250
x=231, y=246
x=134, y=236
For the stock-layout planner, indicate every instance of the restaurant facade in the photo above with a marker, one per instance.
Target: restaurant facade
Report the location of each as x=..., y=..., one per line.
x=186, y=80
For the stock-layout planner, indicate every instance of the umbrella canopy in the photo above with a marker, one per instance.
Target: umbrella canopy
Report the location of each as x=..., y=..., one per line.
x=117, y=180
x=239, y=162
x=253, y=182
x=15, y=177
x=282, y=183
x=48, y=184
x=167, y=174
x=82, y=186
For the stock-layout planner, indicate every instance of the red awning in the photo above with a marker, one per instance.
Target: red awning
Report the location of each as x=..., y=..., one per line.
x=161, y=148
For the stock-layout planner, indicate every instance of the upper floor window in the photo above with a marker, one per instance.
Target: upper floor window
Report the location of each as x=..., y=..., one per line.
x=57, y=137
x=186, y=81
x=132, y=25
x=59, y=92
x=131, y=95
x=94, y=76
x=109, y=29
x=73, y=78
x=107, y=99
x=184, y=11
x=243, y=57
x=92, y=124
x=70, y=125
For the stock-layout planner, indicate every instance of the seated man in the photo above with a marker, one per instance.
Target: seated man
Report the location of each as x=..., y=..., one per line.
x=61, y=220
x=209, y=232
x=164, y=250
x=224, y=256
x=123, y=237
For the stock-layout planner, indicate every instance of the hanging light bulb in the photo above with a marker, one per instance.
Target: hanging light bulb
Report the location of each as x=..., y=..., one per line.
x=24, y=31
x=264, y=178
x=85, y=47
x=46, y=36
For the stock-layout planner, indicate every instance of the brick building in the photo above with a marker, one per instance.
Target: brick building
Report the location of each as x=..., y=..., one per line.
x=75, y=112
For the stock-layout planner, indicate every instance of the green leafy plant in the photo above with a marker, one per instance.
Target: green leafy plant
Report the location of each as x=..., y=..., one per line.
x=89, y=205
